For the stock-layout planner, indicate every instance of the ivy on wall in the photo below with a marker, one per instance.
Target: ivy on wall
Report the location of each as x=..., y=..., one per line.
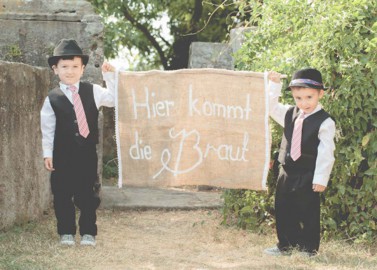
x=338, y=37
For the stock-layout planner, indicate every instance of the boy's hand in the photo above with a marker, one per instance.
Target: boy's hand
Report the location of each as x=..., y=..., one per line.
x=274, y=76
x=107, y=67
x=318, y=188
x=48, y=164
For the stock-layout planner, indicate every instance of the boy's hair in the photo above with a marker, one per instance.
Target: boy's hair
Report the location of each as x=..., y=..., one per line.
x=67, y=57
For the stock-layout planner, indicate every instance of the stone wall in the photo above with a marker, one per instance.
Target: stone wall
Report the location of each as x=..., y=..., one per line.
x=30, y=29
x=24, y=186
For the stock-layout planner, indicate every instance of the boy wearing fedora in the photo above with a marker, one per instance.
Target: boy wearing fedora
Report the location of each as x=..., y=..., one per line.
x=69, y=124
x=306, y=156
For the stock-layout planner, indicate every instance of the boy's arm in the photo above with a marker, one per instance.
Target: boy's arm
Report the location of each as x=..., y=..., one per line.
x=277, y=110
x=325, y=157
x=106, y=96
x=48, y=123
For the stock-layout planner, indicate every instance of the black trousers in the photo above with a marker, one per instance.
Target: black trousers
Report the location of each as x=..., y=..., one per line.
x=72, y=185
x=297, y=210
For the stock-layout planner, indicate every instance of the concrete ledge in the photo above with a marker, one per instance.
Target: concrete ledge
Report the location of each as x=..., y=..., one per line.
x=40, y=17
x=137, y=198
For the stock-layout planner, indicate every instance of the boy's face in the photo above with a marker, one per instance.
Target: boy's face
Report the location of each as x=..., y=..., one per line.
x=306, y=98
x=69, y=71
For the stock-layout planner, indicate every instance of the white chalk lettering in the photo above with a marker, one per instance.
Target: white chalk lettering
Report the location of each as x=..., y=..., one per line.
x=212, y=109
x=137, y=151
x=166, y=155
x=223, y=152
x=154, y=108
x=192, y=103
x=226, y=151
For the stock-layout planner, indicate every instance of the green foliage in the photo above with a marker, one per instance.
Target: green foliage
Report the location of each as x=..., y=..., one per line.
x=110, y=167
x=134, y=25
x=248, y=209
x=338, y=37
x=13, y=53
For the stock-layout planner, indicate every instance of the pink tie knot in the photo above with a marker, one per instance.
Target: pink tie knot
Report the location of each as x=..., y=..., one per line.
x=72, y=88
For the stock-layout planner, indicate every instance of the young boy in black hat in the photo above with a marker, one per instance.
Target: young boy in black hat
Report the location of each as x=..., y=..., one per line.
x=69, y=124
x=306, y=156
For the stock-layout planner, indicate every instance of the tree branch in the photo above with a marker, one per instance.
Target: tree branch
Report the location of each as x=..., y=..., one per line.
x=198, y=10
x=209, y=19
x=147, y=34
x=164, y=40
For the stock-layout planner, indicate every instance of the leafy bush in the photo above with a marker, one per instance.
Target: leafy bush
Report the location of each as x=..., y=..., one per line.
x=339, y=38
x=110, y=167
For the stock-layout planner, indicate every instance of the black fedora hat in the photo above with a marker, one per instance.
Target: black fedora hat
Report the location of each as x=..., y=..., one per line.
x=67, y=47
x=307, y=78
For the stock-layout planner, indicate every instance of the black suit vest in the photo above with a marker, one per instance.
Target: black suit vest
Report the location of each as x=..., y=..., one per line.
x=309, y=139
x=66, y=131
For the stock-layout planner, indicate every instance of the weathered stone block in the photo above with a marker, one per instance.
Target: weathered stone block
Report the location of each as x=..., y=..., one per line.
x=210, y=55
x=32, y=28
x=24, y=185
x=238, y=36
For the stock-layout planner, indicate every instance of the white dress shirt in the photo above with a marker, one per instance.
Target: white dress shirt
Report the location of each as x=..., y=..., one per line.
x=325, y=158
x=102, y=97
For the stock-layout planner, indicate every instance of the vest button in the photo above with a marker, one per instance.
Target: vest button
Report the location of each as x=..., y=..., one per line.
x=76, y=134
x=75, y=121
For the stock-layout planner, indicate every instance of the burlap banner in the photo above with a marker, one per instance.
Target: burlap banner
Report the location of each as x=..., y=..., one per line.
x=193, y=127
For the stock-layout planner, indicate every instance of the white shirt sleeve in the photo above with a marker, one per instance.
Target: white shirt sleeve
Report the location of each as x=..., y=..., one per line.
x=277, y=110
x=48, y=124
x=105, y=96
x=325, y=156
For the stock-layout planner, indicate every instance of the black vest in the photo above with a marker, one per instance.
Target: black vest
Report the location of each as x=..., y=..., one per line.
x=66, y=131
x=309, y=139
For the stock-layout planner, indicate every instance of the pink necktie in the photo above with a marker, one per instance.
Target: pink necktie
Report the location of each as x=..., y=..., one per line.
x=80, y=113
x=296, y=138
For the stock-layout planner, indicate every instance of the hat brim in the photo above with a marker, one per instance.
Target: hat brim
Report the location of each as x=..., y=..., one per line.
x=53, y=60
x=305, y=85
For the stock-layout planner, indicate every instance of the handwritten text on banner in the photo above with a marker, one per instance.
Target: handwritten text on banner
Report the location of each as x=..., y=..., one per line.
x=193, y=127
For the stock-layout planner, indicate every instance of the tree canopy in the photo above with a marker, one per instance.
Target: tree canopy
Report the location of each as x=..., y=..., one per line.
x=136, y=25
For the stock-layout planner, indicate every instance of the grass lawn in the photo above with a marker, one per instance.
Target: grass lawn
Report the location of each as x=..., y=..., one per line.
x=166, y=240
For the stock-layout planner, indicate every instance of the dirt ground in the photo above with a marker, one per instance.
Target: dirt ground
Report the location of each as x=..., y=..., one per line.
x=165, y=240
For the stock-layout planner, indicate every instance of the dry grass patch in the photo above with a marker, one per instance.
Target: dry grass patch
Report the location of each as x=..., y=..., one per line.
x=165, y=240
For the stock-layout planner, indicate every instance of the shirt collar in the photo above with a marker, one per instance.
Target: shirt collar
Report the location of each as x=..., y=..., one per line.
x=65, y=86
x=318, y=108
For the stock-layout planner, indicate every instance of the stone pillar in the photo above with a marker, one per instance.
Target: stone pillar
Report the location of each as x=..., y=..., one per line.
x=217, y=55
x=210, y=55
x=24, y=183
x=237, y=37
